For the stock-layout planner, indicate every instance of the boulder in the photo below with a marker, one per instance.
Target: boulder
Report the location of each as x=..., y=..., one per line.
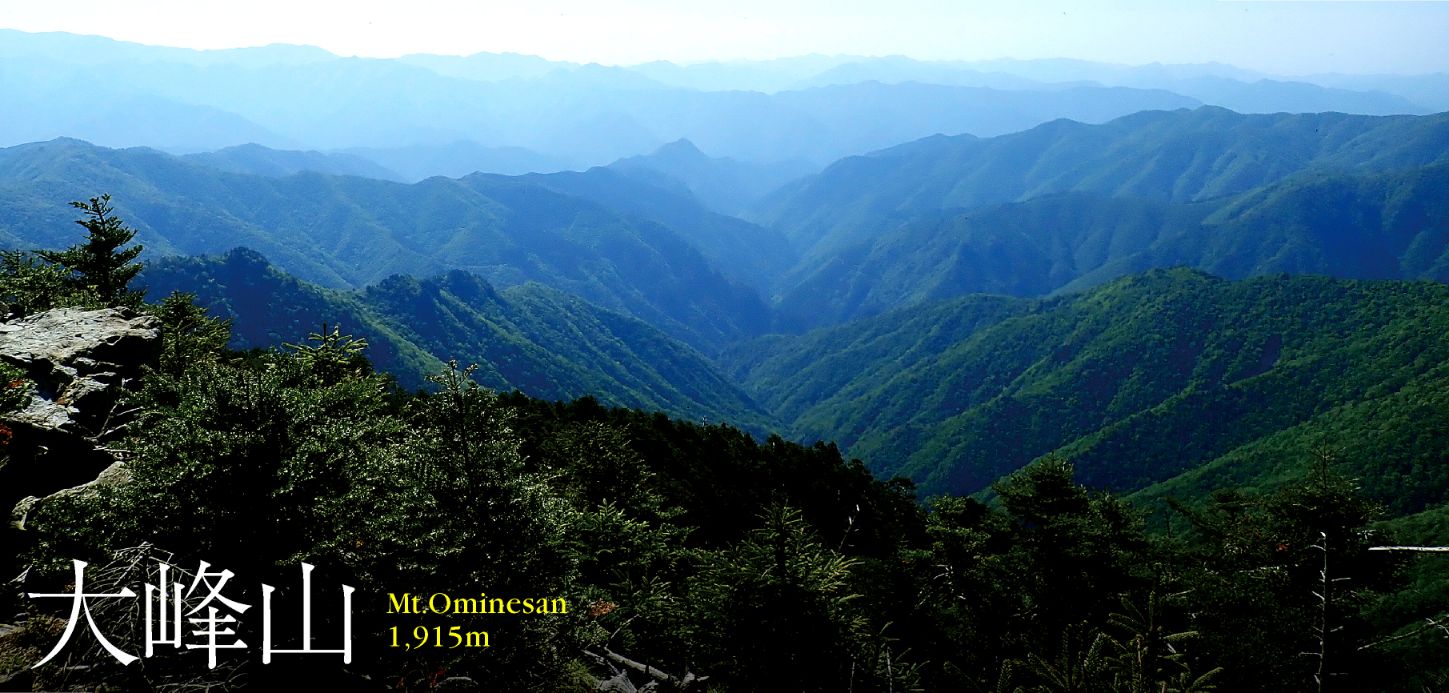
x=115, y=475
x=78, y=360
x=81, y=362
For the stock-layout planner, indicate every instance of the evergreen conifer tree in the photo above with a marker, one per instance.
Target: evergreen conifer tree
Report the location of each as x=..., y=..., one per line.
x=100, y=264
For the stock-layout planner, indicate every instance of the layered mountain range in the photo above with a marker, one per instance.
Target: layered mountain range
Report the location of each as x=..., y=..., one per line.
x=1045, y=258
x=1066, y=205
x=423, y=115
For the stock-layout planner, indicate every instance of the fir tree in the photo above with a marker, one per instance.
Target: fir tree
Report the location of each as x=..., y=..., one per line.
x=101, y=264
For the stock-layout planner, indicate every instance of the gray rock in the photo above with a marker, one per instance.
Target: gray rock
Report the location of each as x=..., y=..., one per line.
x=620, y=683
x=115, y=475
x=81, y=338
x=77, y=358
x=81, y=362
x=458, y=684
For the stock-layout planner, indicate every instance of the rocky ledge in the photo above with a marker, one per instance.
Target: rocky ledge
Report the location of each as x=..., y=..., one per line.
x=81, y=362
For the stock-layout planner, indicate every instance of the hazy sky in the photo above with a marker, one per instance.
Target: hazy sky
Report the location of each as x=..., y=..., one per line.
x=1286, y=37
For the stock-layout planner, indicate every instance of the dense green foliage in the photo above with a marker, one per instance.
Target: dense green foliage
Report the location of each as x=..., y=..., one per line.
x=102, y=264
x=29, y=284
x=1167, y=481
x=724, y=563
x=700, y=551
x=95, y=273
x=1172, y=377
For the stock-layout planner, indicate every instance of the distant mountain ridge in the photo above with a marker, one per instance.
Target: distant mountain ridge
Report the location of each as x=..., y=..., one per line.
x=752, y=255
x=1176, y=156
x=457, y=159
x=344, y=231
x=724, y=185
x=264, y=161
x=1218, y=85
x=1374, y=226
x=511, y=114
x=1066, y=205
x=582, y=115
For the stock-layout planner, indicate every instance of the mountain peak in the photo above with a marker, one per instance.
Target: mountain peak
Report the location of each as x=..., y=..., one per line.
x=66, y=142
x=679, y=150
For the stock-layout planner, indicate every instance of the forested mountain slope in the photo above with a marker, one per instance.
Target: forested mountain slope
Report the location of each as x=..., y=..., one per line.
x=1172, y=156
x=1371, y=226
x=1172, y=376
x=744, y=252
x=530, y=337
x=346, y=232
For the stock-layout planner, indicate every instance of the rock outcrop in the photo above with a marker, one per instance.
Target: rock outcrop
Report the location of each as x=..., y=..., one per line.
x=78, y=359
x=81, y=362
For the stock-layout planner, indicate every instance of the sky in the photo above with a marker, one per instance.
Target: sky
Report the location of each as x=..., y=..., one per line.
x=1286, y=37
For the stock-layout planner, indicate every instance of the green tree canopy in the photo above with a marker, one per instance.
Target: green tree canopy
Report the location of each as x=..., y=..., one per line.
x=101, y=263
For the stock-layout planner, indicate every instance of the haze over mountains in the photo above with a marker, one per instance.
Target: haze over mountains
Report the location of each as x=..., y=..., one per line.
x=666, y=236
x=811, y=373
x=442, y=115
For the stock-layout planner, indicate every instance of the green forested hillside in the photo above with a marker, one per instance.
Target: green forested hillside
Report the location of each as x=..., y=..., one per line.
x=1169, y=377
x=346, y=232
x=1177, y=156
x=1020, y=249
x=1281, y=414
x=747, y=253
x=1146, y=406
x=825, y=369
x=1393, y=225
x=530, y=337
x=1375, y=226
x=684, y=551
